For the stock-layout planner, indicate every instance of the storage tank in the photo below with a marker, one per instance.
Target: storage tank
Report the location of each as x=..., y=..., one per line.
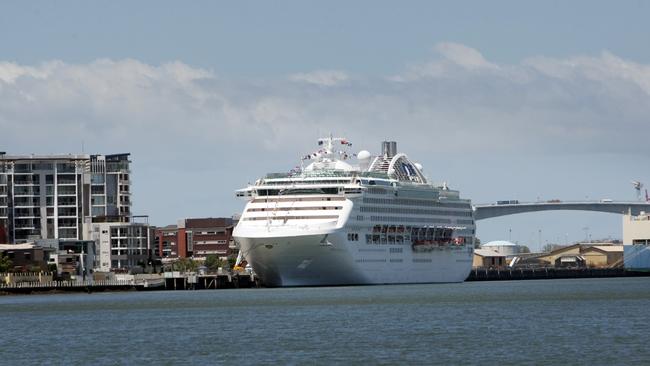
x=502, y=247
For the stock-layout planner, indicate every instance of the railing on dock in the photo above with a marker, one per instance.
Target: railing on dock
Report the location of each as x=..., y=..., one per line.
x=505, y=273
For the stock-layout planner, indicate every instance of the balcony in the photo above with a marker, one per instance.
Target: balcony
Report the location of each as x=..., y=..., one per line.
x=65, y=168
x=24, y=181
x=67, y=212
x=26, y=202
x=26, y=212
x=67, y=191
x=27, y=191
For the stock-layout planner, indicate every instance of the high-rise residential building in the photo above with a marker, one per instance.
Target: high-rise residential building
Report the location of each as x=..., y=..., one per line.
x=110, y=188
x=72, y=197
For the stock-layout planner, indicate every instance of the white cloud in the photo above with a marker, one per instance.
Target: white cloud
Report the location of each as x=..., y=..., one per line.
x=321, y=77
x=178, y=117
x=464, y=56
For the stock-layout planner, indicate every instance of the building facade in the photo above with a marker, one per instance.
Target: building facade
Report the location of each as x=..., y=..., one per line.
x=636, y=241
x=196, y=238
x=59, y=196
x=73, y=198
x=121, y=245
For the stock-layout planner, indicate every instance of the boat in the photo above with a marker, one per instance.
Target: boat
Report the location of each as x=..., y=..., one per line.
x=354, y=219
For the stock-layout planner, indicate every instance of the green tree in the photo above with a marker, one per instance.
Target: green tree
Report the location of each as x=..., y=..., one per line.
x=524, y=249
x=186, y=265
x=212, y=262
x=5, y=263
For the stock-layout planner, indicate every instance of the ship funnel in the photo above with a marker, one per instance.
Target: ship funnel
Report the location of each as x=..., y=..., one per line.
x=389, y=148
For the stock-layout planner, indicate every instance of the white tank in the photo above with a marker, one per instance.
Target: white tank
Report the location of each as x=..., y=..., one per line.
x=502, y=247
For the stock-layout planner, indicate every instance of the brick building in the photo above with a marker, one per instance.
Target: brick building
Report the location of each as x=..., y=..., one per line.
x=196, y=238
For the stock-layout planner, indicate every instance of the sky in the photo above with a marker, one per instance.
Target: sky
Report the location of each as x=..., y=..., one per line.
x=501, y=100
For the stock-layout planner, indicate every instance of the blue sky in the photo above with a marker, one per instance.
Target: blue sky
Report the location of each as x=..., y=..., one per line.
x=503, y=99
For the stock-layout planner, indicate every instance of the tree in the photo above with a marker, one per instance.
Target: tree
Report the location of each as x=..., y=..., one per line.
x=186, y=265
x=212, y=262
x=524, y=249
x=5, y=263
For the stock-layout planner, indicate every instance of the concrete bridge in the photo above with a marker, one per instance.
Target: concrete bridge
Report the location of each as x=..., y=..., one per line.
x=487, y=211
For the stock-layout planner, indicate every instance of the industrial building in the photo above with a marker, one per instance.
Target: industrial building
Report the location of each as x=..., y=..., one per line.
x=488, y=258
x=582, y=255
x=636, y=241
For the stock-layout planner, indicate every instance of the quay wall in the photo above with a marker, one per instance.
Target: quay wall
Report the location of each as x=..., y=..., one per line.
x=508, y=274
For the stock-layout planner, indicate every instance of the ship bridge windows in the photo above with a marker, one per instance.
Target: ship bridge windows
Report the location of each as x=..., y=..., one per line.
x=274, y=209
x=288, y=182
x=297, y=199
x=297, y=191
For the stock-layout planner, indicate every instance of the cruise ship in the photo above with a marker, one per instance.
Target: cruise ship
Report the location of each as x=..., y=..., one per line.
x=354, y=219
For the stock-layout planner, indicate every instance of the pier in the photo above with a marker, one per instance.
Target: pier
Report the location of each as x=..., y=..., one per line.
x=40, y=283
x=508, y=274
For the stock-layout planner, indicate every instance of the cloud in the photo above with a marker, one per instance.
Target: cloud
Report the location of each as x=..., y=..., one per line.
x=464, y=56
x=321, y=77
x=175, y=117
x=543, y=104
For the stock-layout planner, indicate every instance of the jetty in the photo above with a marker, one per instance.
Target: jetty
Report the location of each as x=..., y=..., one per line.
x=44, y=282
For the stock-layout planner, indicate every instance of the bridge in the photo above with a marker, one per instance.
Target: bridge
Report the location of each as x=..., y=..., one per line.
x=488, y=211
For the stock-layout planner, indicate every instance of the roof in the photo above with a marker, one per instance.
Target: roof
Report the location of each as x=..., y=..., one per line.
x=499, y=243
x=609, y=248
x=487, y=253
x=208, y=222
x=17, y=246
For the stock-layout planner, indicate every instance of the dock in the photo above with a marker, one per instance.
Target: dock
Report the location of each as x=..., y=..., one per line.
x=20, y=284
x=509, y=274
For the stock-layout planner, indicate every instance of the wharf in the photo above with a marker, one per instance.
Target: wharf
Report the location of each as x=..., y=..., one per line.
x=157, y=282
x=508, y=274
x=182, y=281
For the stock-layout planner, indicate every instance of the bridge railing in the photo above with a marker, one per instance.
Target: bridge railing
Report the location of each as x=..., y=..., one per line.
x=550, y=202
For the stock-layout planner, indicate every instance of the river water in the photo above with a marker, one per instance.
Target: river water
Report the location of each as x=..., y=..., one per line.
x=582, y=321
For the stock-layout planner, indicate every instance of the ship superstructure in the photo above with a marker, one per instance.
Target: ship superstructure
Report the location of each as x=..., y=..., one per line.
x=333, y=223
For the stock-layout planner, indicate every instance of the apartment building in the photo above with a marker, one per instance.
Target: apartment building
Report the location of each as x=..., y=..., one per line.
x=71, y=198
x=196, y=238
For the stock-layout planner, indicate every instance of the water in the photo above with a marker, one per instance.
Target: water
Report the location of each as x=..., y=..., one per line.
x=583, y=321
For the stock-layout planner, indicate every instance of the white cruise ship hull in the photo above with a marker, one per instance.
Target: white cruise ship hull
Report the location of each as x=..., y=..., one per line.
x=334, y=224
x=327, y=259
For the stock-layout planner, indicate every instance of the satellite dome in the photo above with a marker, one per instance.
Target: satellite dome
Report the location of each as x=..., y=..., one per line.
x=418, y=165
x=363, y=155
